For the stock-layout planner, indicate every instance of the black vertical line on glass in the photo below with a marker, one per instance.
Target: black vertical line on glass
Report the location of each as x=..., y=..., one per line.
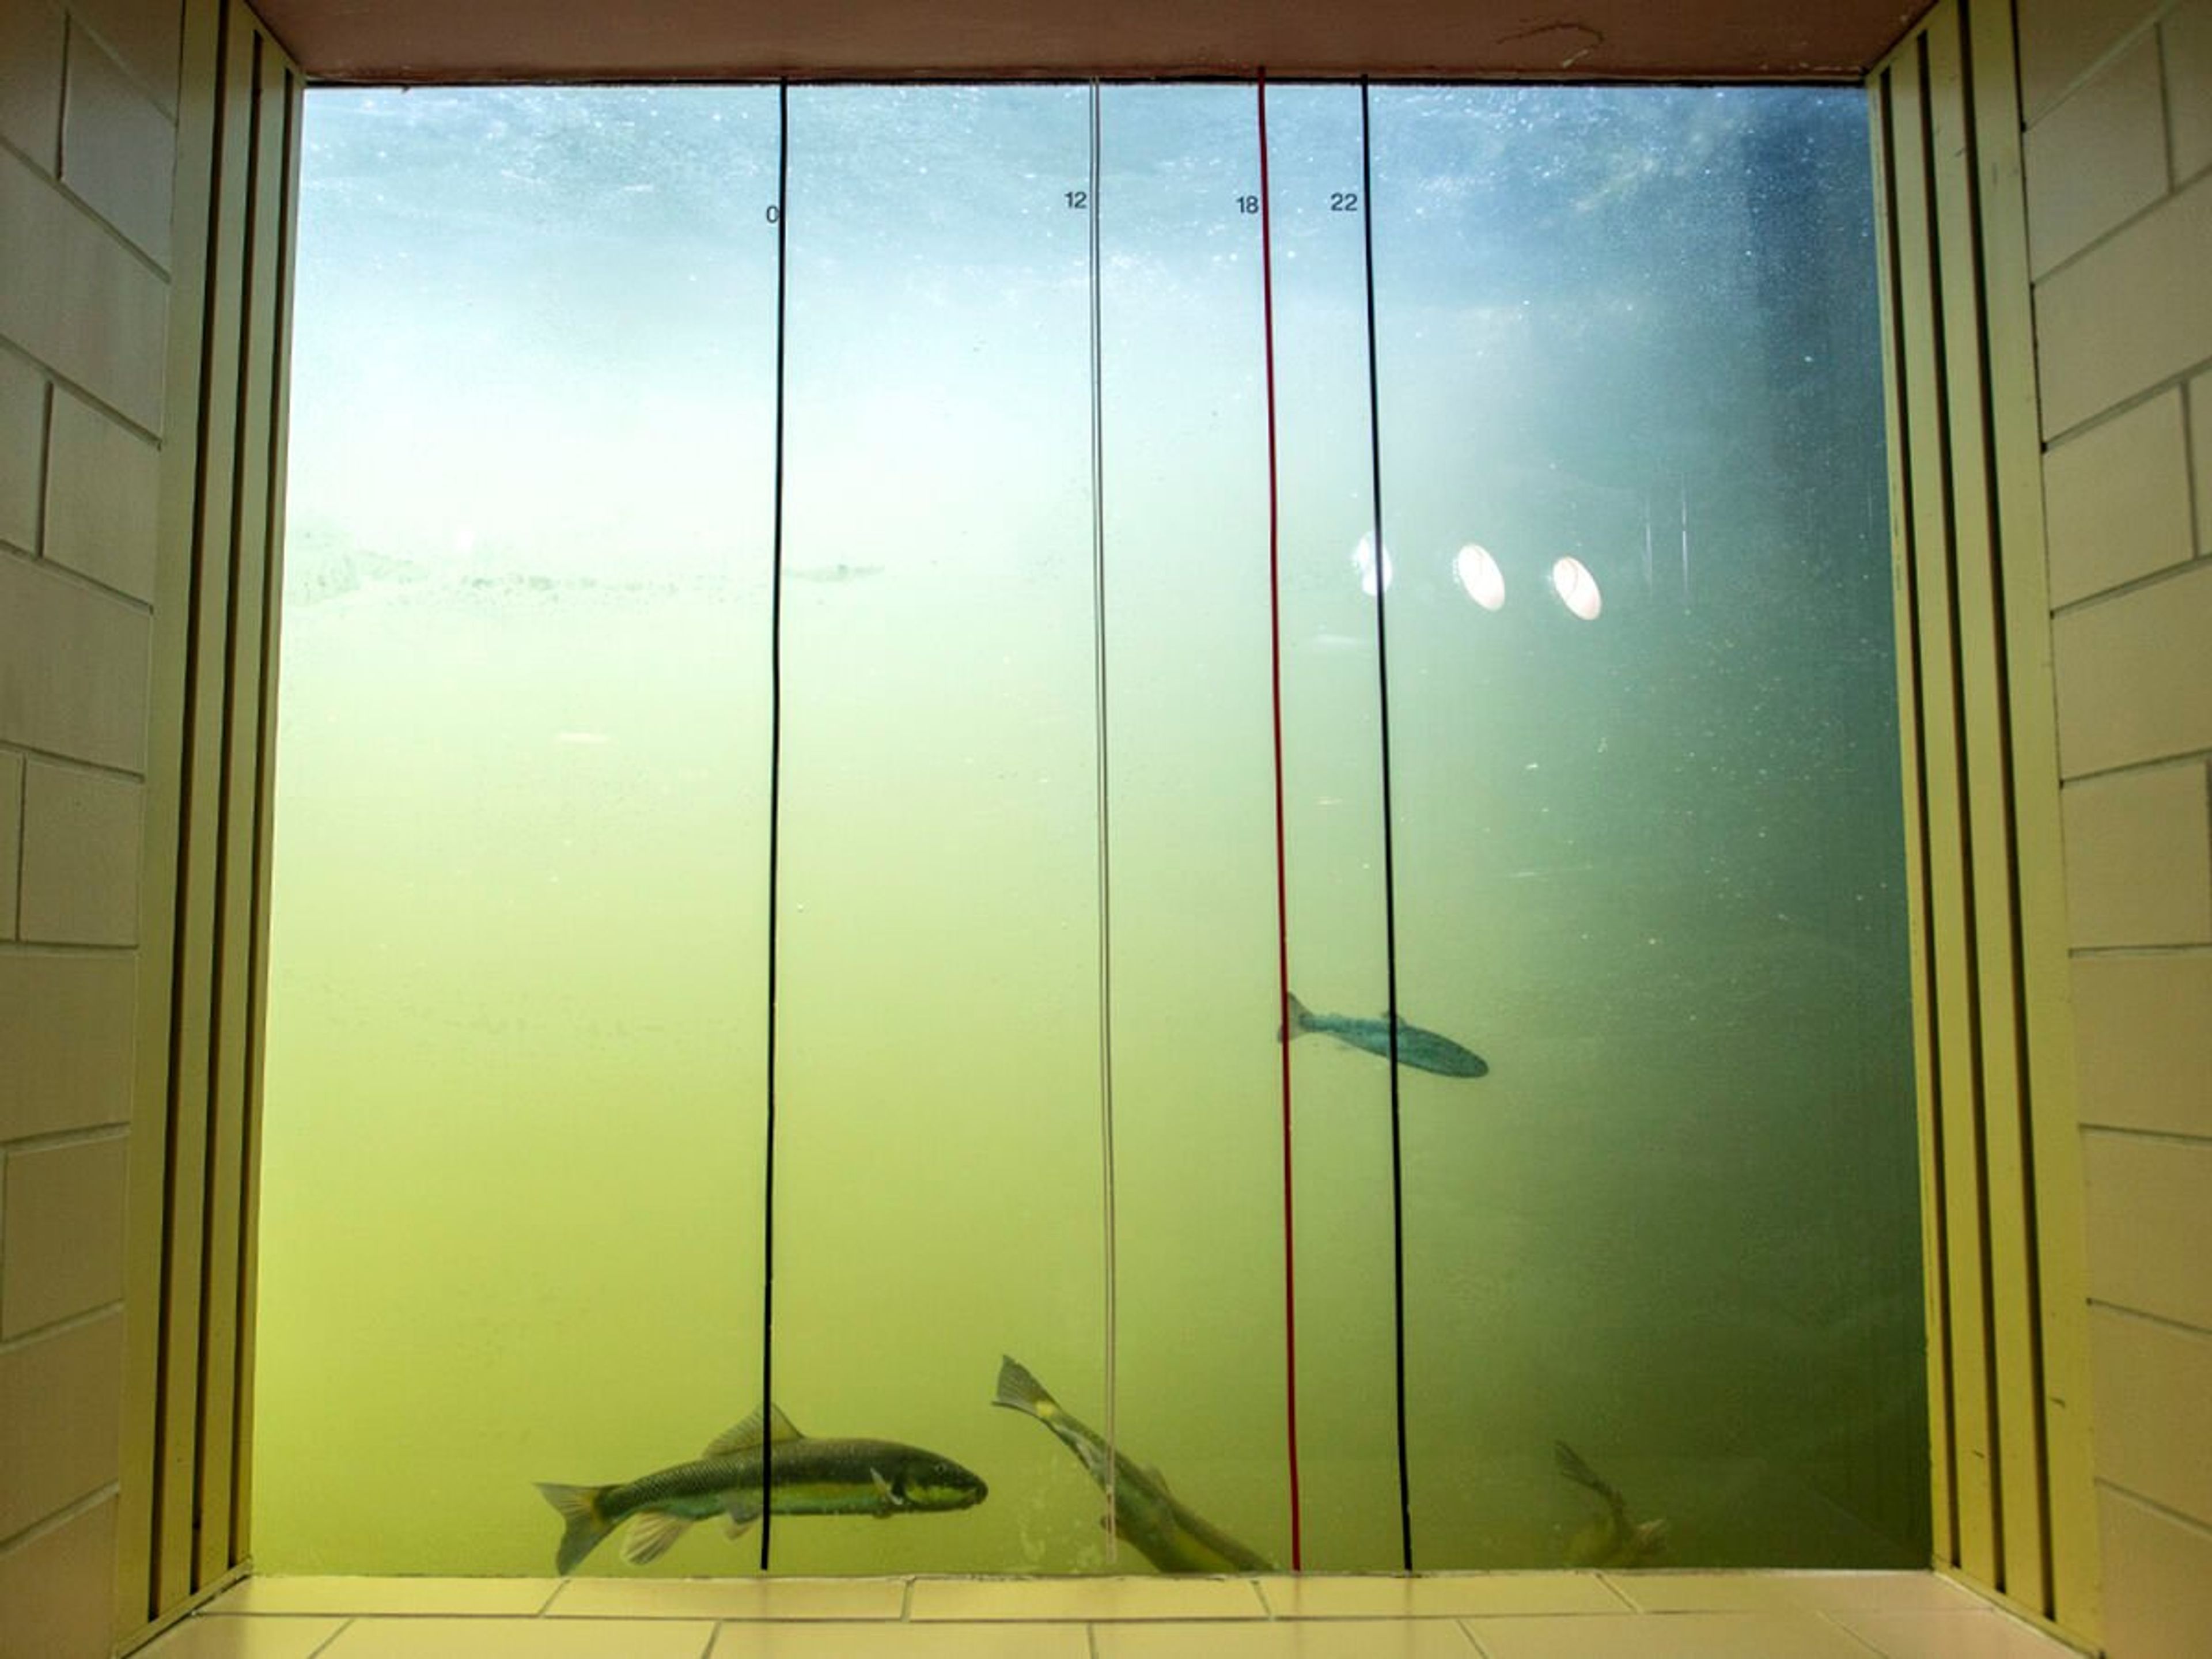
x=1105, y=848
x=1389, y=860
x=775, y=818
x=1282, y=862
x=166, y=1334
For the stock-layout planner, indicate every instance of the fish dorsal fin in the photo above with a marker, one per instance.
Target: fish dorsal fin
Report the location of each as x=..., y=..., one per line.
x=651, y=1531
x=769, y=1424
x=1157, y=1479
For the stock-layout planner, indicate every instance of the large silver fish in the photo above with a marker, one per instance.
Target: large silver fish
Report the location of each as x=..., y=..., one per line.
x=1424, y=1050
x=1171, y=1537
x=807, y=1477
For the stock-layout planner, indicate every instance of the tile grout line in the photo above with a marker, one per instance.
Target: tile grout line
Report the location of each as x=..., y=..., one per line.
x=62, y=380
x=91, y=214
x=323, y=1646
x=45, y=470
x=1618, y=1593
x=2111, y=233
x=2053, y=436
x=1827, y=1616
x=76, y=579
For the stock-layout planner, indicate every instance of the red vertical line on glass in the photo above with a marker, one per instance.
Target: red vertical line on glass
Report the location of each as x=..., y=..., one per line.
x=1282, y=895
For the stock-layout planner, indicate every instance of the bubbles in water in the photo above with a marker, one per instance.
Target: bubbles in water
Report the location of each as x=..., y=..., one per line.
x=1576, y=588
x=1479, y=576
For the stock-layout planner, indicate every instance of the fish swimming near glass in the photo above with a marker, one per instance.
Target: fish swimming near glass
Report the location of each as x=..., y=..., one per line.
x=1423, y=1050
x=1608, y=1539
x=808, y=1477
x=1159, y=1524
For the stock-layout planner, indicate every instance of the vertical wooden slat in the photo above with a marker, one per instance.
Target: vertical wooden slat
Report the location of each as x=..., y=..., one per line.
x=203, y=918
x=1950, y=968
x=284, y=166
x=2008, y=1290
x=237, y=892
x=191, y=1037
x=2049, y=1137
x=198, y=96
x=2015, y=1384
x=1900, y=168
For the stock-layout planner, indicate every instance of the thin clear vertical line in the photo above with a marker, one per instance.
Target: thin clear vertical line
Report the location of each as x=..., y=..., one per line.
x=775, y=823
x=1389, y=860
x=1282, y=862
x=1105, y=838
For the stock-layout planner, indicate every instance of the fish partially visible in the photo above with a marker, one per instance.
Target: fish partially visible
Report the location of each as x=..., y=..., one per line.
x=1424, y=1050
x=1171, y=1537
x=1609, y=1539
x=807, y=1477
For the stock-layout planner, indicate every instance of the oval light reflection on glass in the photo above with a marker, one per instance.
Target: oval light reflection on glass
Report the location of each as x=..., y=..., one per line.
x=1576, y=588
x=1363, y=557
x=1479, y=576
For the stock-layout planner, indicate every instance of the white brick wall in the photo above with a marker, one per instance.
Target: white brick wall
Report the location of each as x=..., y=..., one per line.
x=2118, y=94
x=87, y=138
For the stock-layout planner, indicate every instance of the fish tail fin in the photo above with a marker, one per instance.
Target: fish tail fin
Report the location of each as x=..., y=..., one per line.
x=1572, y=1466
x=1301, y=1019
x=1022, y=1392
x=587, y=1523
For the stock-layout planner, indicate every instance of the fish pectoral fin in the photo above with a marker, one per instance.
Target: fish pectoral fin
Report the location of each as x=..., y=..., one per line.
x=765, y=1425
x=734, y=1526
x=1153, y=1474
x=886, y=1498
x=651, y=1531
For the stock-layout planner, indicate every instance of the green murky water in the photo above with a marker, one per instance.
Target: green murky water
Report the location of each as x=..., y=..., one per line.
x=1647, y=865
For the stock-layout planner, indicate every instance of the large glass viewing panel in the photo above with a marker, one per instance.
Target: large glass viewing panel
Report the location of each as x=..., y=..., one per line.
x=1067, y=561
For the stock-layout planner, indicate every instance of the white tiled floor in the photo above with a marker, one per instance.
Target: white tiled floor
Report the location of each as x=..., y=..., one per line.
x=1560, y=1615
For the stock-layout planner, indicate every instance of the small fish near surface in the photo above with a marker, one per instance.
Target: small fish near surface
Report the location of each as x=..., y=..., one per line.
x=1171, y=1537
x=1423, y=1050
x=1609, y=1539
x=807, y=1477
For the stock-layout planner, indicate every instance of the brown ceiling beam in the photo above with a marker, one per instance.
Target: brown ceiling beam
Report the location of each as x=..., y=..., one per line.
x=440, y=41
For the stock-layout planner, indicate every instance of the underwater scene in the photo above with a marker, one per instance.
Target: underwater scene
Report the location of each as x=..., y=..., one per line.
x=997, y=814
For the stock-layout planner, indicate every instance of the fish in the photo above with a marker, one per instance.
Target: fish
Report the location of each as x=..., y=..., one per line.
x=1171, y=1536
x=1608, y=1539
x=1423, y=1050
x=808, y=1477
